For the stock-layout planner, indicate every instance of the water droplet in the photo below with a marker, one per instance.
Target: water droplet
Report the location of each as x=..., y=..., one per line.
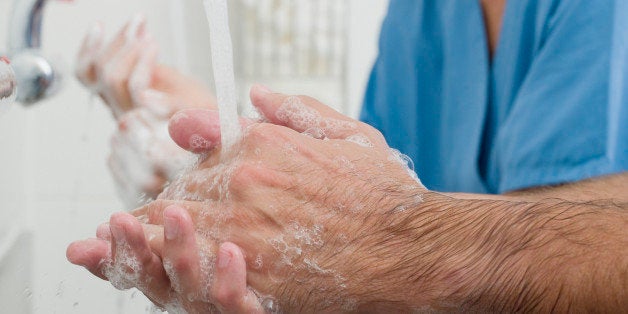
x=28, y=293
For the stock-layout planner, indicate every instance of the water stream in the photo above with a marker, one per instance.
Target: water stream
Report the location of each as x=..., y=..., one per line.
x=222, y=63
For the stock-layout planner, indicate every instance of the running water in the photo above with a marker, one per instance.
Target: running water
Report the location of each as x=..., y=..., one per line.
x=222, y=61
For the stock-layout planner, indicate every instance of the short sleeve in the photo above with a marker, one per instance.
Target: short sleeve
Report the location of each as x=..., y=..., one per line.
x=569, y=118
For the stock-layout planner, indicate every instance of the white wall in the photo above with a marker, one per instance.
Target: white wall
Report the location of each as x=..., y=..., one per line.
x=54, y=185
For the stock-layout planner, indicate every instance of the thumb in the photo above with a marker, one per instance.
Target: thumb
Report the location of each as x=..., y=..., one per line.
x=198, y=130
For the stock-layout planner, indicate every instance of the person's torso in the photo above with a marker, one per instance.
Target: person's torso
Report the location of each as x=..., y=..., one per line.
x=438, y=98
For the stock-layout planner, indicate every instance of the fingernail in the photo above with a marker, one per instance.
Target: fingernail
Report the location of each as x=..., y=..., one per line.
x=264, y=89
x=224, y=258
x=171, y=228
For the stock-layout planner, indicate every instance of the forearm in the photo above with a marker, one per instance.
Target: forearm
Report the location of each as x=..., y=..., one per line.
x=609, y=187
x=188, y=91
x=503, y=255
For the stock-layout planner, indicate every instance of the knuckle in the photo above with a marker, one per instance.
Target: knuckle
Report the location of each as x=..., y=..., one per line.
x=260, y=131
x=244, y=175
x=375, y=133
x=227, y=298
x=182, y=264
x=154, y=210
x=263, y=134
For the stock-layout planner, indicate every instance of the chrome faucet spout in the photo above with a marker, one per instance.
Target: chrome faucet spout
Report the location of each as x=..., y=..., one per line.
x=25, y=26
x=37, y=78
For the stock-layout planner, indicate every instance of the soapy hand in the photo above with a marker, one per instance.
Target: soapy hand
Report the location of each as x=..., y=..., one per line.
x=122, y=254
x=126, y=74
x=142, y=94
x=143, y=157
x=303, y=196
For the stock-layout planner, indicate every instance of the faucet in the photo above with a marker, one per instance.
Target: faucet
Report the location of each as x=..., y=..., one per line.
x=35, y=75
x=7, y=82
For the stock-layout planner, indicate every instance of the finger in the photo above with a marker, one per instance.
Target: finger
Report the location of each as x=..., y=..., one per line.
x=91, y=254
x=203, y=216
x=296, y=112
x=309, y=116
x=103, y=232
x=89, y=51
x=198, y=130
x=132, y=30
x=229, y=288
x=155, y=236
x=115, y=65
x=131, y=253
x=140, y=78
x=114, y=77
x=180, y=253
x=153, y=213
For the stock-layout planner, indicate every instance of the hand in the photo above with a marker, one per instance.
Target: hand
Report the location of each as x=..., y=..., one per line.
x=304, y=208
x=142, y=95
x=143, y=158
x=126, y=74
x=283, y=199
x=122, y=254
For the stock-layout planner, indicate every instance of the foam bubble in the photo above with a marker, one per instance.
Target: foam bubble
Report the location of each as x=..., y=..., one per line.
x=296, y=114
x=215, y=182
x=198, y=142
x=208, y=261
x=258, y=262
x=172, y=274
x=270, y=305
x=123, y=273
x=360, y=139
x=315, y=132
x=314, y=268
x=406, y=162
x=344, y=163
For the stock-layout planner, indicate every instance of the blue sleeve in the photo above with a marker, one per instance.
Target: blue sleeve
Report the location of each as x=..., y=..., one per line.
x=569, y=120
x=367, y=113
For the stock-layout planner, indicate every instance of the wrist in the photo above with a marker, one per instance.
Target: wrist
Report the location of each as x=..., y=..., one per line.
x=418, y=255
x=439, y=254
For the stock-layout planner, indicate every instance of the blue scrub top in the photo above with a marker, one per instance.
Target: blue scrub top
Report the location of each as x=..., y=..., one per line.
x=551, y=107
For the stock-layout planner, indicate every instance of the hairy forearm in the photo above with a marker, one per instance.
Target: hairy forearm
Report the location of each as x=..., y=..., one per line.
x=506, y=255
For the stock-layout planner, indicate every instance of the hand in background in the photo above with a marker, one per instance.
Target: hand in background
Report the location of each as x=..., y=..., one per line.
x=143, y=157
x=142, y=95
x=126, y=74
